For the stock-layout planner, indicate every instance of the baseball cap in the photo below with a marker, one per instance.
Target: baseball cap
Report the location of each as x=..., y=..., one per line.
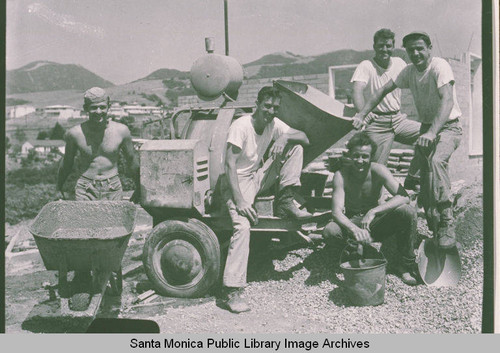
x=95, y=95
x=417, y=35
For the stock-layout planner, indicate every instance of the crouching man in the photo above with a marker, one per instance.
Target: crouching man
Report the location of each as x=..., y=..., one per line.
x=247, y=175
x=356, y=187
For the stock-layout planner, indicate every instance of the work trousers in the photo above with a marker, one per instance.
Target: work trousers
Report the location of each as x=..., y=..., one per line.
x=88, y=189
x=401, y=222
x=286, y=170
x=385, y=129
x=449, y=140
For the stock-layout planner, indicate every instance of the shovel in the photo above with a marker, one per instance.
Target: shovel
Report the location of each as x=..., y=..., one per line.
x=437, y=267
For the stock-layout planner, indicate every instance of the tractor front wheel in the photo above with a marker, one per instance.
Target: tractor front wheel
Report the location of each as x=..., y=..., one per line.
x=182, y=258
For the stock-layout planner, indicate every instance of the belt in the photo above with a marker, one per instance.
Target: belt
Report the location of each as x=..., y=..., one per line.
x=387, y=113
x=99, y=180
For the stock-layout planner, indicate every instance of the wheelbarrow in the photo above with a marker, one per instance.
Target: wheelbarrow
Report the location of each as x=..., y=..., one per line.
x=437, y=267
x=88, y=237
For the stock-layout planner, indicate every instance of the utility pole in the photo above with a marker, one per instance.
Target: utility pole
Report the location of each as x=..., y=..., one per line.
x=226, y=30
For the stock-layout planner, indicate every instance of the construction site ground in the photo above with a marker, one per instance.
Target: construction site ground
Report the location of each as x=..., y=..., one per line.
x=294, y=291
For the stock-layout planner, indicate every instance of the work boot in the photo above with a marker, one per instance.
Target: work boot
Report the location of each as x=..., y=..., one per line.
x=286, y=207
x=408, y=272
x=446, y=234
x=233, y=301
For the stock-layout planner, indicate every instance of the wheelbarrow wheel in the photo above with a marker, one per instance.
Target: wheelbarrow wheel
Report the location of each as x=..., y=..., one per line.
x=182, y=258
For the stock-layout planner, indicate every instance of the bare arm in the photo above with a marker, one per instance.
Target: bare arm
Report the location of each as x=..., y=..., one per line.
x=392, y=185
x=359, y=103
x=375, y=99
x=446, y=95
x=127, y=146
x=338, y=200
x=395, y=189
x=130, y=154
x=242, y=207
x=292, y=136
x=358, y=96
x=68, y=160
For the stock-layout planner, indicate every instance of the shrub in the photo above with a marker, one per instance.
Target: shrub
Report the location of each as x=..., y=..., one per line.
x=24, y=202
x=33, y=175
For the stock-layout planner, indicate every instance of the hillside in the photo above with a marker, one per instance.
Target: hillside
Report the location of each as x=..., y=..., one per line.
x=313, y=65
x=42, y=76
x=44, y=83
x=130, y=92
x=165, y=74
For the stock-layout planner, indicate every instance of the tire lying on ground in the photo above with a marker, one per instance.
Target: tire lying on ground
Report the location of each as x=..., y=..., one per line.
x=182, y=258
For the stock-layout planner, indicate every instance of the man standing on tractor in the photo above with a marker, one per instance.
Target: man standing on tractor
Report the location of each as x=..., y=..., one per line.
x=247, y=175
x=356, y=188
x=98, y=141
x=386, y=123
x=431, y=82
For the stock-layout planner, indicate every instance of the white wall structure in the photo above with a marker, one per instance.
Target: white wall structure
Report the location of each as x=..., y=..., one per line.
x=61, y=111
x=19, y=111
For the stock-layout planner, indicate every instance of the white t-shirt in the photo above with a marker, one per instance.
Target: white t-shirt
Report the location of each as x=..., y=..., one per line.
x=375, y=77
x=425, y=88
x=253, y=146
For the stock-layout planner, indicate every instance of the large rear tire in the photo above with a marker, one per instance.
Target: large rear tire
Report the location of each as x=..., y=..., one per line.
x=182, y=258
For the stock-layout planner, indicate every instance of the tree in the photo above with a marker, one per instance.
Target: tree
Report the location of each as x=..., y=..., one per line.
x=128, y=120
x=20, y=135
x=7, y=143
x=42, y=135
x=57, y=132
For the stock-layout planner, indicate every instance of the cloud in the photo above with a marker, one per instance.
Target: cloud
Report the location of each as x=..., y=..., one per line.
x=66, y=22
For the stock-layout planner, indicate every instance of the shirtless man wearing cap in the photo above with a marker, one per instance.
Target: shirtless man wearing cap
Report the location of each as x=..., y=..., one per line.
x=98, y=142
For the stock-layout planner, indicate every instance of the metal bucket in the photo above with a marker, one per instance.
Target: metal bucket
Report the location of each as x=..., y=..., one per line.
x=364, y=280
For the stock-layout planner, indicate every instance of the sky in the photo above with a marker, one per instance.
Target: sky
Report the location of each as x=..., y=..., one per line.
x=125, y=40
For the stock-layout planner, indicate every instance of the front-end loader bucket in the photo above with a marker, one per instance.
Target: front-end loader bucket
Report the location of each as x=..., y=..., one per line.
x=323, y=119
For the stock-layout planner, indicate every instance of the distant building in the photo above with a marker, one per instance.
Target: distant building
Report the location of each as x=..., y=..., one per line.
x=136, y=109
x=117, y=111
x=61, y=112
x=43, y=147
x=20, y=111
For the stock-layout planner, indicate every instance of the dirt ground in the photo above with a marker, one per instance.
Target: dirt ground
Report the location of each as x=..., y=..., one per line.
x=298, y=291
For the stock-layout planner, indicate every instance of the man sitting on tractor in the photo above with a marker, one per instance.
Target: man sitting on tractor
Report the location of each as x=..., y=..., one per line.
x=248, y=175
x=356, y=188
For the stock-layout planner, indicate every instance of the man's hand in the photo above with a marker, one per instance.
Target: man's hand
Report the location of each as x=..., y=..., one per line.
x=358, y=122
x=278, y=147
x=245, y=209
x=367, y=220
x=425, y=140
x=362, y=235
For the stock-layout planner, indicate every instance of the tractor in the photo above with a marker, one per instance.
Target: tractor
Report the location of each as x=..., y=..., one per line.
x=180, y=177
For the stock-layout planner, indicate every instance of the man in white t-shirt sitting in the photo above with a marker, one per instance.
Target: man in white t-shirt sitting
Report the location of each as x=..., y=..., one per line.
x=386, y=123
x=247, y=175
x=432, y=84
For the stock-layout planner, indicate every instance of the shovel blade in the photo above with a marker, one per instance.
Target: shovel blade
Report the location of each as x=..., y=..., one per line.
x=438, y=267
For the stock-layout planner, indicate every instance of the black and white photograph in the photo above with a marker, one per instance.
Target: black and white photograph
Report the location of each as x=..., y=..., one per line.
x=245, y=167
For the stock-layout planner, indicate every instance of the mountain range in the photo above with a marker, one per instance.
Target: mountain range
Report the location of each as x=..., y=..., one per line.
x=41, y=76
x=37, y=81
